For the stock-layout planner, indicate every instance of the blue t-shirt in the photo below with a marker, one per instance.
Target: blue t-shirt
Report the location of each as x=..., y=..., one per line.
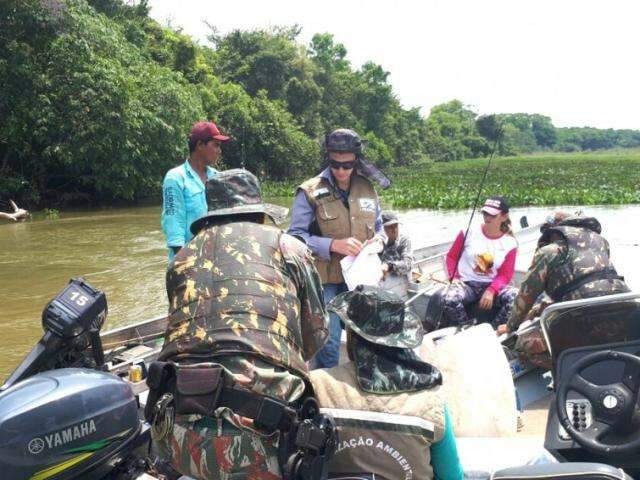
x=183, y=201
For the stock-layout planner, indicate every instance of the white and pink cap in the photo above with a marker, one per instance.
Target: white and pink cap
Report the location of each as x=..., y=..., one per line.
x=495, y=205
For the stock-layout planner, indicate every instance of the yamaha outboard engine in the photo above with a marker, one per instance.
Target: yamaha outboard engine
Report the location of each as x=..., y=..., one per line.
x=68, y=424
x=71, y=323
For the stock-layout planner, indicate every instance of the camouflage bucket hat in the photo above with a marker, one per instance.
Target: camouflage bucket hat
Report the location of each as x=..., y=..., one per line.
x=378, y=316
x=234, y=192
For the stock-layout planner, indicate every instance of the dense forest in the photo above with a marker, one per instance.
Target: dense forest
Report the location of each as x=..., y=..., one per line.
x=97, y=99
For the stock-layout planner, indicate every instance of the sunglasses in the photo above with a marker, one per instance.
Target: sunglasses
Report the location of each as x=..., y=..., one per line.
x=344, y=165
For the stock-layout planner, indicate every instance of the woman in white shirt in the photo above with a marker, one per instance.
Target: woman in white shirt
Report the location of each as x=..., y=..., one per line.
x=481, y=266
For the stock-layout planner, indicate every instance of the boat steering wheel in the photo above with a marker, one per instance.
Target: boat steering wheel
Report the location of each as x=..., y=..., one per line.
x=613, y=405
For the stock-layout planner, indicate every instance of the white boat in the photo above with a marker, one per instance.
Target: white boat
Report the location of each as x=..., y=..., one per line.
x=609, y=327
x=430, y=271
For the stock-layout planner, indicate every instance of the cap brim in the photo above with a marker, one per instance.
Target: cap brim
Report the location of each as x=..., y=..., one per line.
x=277, y=213
x=221, y=138
x=392, y=222
x=491, y=210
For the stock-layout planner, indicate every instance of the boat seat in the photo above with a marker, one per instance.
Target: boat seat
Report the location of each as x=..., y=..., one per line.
x=588, y=322
x=566, y=471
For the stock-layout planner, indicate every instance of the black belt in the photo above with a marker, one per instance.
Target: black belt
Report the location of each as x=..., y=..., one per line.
x=607, y=274
x=307, y=439
x=267, y=413
x=202, y=390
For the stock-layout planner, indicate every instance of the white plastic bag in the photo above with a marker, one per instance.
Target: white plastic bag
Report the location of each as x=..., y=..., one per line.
x=363, y=269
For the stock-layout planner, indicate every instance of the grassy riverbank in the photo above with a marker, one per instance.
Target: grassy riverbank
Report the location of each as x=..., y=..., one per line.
x=603, y=178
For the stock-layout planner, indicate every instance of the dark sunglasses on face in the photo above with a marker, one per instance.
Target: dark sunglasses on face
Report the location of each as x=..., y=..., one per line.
x=344, y=165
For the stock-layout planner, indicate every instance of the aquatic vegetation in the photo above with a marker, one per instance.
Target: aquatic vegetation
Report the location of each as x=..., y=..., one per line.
x=51, y=213
x=604, y=178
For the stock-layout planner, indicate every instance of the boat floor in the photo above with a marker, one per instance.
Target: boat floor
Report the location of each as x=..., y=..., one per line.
x=534, y=418
x=482, y=455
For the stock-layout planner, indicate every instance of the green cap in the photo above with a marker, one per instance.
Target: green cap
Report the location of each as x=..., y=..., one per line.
x=234, y=192
x=378, y=316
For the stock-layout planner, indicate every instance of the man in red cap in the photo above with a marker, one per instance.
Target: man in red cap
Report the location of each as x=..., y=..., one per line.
x=183, y=192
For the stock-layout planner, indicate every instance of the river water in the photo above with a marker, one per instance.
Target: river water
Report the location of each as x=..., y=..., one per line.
x=121, y=252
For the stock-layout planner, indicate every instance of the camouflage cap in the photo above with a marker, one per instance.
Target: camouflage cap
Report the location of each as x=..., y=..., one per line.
x=234, y=192
x=343, y=140
x=378, y=316
x=577, y=221
x=590, y=223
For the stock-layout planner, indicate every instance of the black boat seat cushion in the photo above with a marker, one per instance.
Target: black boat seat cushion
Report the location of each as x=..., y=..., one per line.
x=564, y=471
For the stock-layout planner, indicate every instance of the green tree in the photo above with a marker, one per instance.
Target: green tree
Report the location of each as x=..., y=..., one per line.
x=97, y=99
x=452, y=133
x=98, y=122
x=326, y=53
x=543, y=130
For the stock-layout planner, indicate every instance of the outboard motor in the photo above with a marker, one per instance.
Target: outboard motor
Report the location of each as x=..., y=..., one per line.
x=69, y=424
x=71, y=323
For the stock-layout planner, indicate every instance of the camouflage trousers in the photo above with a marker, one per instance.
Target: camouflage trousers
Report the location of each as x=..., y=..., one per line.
x=214, y=449
x=533, y=348
x=458, y=295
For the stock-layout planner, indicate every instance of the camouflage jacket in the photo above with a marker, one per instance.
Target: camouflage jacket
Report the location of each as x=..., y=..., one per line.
x=398, y=256
x=579, y=252
x=248, y=297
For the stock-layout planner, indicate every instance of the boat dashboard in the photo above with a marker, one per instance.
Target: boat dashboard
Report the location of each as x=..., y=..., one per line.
x=597, y=386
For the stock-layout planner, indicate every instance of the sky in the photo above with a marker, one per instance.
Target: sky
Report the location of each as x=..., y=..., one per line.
x=575, y=61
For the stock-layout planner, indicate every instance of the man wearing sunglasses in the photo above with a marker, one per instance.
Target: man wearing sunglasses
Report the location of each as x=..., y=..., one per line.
x=336, y=213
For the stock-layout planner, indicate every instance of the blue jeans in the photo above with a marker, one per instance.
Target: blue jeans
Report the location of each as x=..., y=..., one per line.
x=329, y=354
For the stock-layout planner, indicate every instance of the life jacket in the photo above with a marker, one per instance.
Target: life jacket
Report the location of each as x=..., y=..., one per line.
x=586, y=270
x=230, y=292
x=335, y=220
x=388, y=435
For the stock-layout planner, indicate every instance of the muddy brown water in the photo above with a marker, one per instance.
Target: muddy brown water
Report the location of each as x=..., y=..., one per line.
x=121, y=251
